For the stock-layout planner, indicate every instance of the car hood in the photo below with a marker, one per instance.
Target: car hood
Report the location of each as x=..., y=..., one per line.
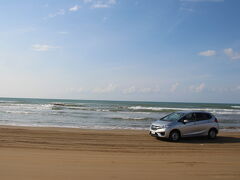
x=160, y=123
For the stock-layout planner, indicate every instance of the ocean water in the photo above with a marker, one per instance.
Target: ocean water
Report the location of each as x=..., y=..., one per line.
x=104, y=114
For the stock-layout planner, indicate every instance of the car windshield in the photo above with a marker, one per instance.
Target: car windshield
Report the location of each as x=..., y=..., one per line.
x=173, y=117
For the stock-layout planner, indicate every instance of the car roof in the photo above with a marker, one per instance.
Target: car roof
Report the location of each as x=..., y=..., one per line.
x=186, y=112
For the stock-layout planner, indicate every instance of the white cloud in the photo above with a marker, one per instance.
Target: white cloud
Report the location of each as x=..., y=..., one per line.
x=149, y=90
x=134, y=89
x=174, y=87
x=231, y=54
x=207, y=53
x=75, y=8
x=102, y=4
x=200, y=87
x=108, y=89
x=186, y=9
x=60, y=12
x=111, y=88
x=197, y=88
x=112, y=1
x=43, y=47
x=146, y=90
x=228, y=52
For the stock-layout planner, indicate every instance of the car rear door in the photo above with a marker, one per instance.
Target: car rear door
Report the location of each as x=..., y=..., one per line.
x=202, y=123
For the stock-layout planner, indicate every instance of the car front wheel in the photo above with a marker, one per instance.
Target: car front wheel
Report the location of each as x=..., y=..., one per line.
x=175, y=136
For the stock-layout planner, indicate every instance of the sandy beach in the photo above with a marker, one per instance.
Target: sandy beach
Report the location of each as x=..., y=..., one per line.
x=59, y=153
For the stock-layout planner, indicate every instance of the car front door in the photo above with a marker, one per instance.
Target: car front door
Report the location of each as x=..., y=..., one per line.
x=188, y=128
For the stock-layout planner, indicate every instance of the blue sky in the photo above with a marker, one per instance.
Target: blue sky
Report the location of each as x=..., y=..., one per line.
x=150, y=50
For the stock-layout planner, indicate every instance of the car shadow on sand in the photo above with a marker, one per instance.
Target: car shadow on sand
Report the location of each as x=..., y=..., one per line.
x=202, y=140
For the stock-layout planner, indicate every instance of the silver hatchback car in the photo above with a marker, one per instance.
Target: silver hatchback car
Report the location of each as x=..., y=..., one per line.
x=185, y=124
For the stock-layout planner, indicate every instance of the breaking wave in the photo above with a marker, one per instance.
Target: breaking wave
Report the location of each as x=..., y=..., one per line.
x=170, y=109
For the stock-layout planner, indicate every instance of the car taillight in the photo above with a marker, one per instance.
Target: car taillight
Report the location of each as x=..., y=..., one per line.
x=216, y=120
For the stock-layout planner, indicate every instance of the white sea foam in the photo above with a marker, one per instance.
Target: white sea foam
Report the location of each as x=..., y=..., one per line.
x=131, y=118
x=19, y=112
x=237, y=107
x=9, y=102
x=159, y=109
x=102, y=110
x=230, y=113
x=46, y=105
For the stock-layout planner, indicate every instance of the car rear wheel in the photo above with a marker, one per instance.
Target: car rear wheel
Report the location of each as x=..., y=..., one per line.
x=212, y=134
x=175, y=136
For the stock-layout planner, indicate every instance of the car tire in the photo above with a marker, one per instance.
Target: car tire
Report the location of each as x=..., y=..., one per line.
x=174, y=136
x=212, y=134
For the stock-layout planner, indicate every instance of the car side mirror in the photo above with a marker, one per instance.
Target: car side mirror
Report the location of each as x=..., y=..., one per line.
x=185, y=121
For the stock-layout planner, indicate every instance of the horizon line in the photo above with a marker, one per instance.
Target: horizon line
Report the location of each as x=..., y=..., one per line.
x=148, y=101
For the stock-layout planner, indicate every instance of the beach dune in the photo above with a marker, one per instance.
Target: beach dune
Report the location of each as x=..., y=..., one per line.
x=62, y=153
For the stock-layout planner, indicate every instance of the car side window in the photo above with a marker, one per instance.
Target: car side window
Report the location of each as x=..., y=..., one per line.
x=190, y=117
x=202, y=116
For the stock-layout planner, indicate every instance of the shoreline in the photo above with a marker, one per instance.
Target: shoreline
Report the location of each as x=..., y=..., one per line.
x=222, y=130
x=80, y=128
x=67, y=153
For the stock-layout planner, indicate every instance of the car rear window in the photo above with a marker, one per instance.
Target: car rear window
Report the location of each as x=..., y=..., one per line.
x=202, y=116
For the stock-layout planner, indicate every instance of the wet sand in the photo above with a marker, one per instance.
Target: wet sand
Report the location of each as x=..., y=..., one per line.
x=28, y=153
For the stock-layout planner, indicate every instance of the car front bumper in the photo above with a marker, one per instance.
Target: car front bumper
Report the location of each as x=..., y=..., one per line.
x=164, y=133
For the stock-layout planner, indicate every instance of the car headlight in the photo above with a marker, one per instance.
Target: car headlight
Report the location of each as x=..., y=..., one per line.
x=153, y=127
